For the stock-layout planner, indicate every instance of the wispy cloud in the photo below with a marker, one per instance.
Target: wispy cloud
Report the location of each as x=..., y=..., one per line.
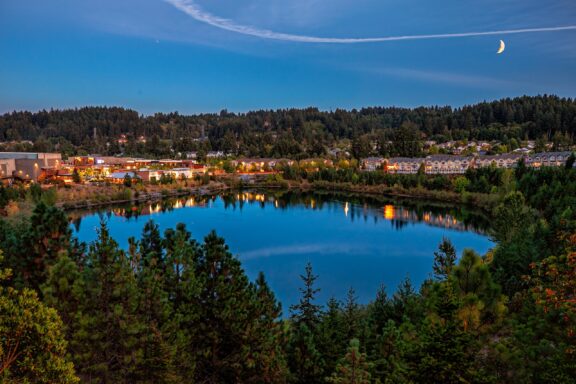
x=196, y=12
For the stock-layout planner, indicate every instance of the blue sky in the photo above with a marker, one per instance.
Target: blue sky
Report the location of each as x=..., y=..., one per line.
x=150, y=55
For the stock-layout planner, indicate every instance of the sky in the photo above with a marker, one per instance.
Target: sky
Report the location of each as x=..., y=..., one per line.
x=195, y=56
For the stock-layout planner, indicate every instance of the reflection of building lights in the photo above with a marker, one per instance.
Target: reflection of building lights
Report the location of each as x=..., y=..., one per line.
x=276, y=203
x=427, y=217
x=389, y=212
x=312, y=203
x=346, y=209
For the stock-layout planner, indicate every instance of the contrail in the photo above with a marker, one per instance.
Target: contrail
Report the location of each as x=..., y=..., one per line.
x=193, y=10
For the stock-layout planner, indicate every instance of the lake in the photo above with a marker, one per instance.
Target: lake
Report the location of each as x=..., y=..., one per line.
x=351, y=241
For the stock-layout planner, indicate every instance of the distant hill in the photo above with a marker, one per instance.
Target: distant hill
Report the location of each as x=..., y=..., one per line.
x=291, y=132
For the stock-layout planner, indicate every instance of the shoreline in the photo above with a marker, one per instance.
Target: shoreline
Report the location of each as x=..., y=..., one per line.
x=482, y=202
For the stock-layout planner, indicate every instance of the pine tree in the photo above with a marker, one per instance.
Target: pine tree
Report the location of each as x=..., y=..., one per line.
x=332, y=344
x=388, y=363
x=153, y=311
x=353, y=368
x=304, y=359
x=183, y=289
x=105, y=344
x=306, y=311
x=151, y=244
x=266, y=355
x=62, y=291
x=47, y=235
x=351, y=316
x=444, y=259
x=181, y=252
x=445, y=354
x=220, y=341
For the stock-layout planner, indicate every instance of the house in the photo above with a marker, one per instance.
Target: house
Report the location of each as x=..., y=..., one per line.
x=215, y=155
x=449, y=165
x=507, y=160
x=547, y=159
x=179, y=173
x=403, y=165
x=373, y=163
x=149, y=175
x=198, y=169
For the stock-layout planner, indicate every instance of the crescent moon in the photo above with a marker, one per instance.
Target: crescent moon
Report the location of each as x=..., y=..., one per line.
x=502, y=47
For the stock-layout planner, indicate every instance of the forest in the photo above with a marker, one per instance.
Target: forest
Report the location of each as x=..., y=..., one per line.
x=172, y=309
x=294, y=133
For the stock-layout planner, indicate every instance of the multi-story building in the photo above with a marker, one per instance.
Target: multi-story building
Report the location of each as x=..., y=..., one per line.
x=27, y=165
x=448, y=165
x=507, y=160
x=403, y=165
x=547, y=159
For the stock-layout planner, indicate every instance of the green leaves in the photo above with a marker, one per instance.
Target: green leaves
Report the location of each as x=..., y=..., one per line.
x=32, y=344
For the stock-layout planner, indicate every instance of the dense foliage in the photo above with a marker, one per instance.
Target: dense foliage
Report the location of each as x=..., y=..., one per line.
x=292, y=132
x=169, y=309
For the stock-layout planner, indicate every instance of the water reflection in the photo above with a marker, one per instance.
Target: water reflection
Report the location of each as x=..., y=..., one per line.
x=400, y=213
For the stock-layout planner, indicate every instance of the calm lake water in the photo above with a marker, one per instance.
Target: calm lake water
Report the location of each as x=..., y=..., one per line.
x=351, y=241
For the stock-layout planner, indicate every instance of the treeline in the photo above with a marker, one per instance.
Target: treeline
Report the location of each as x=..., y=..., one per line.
x=169, y=309
x=293, y=132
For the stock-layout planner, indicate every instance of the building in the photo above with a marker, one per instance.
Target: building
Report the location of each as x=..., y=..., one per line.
x=179, y=173
x=403, y=165
x=447, y=165
x=547, y=159
x=149, y=175
x=27, y=166
x=373, y=163
x=507, y=160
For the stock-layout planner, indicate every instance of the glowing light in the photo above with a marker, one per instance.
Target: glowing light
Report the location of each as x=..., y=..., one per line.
x=346, y=209
x=389, y=212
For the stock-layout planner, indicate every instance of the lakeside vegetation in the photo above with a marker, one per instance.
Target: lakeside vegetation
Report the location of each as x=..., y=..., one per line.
x=170, y=309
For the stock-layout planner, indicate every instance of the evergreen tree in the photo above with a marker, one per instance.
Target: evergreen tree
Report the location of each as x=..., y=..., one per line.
x=351, y=316
x=332, y=344
x=221, y=343
x=154, y=311
x=444, y=259
x=105, y=344
x=47, y=235
x=353, y=368
x=304, y=359
x=445, y=353
x=32, y=343
x=62, y=291
x=388, y=356
x=266, y=355
x=151, y=244
x=306, y=311
x=183, y=289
